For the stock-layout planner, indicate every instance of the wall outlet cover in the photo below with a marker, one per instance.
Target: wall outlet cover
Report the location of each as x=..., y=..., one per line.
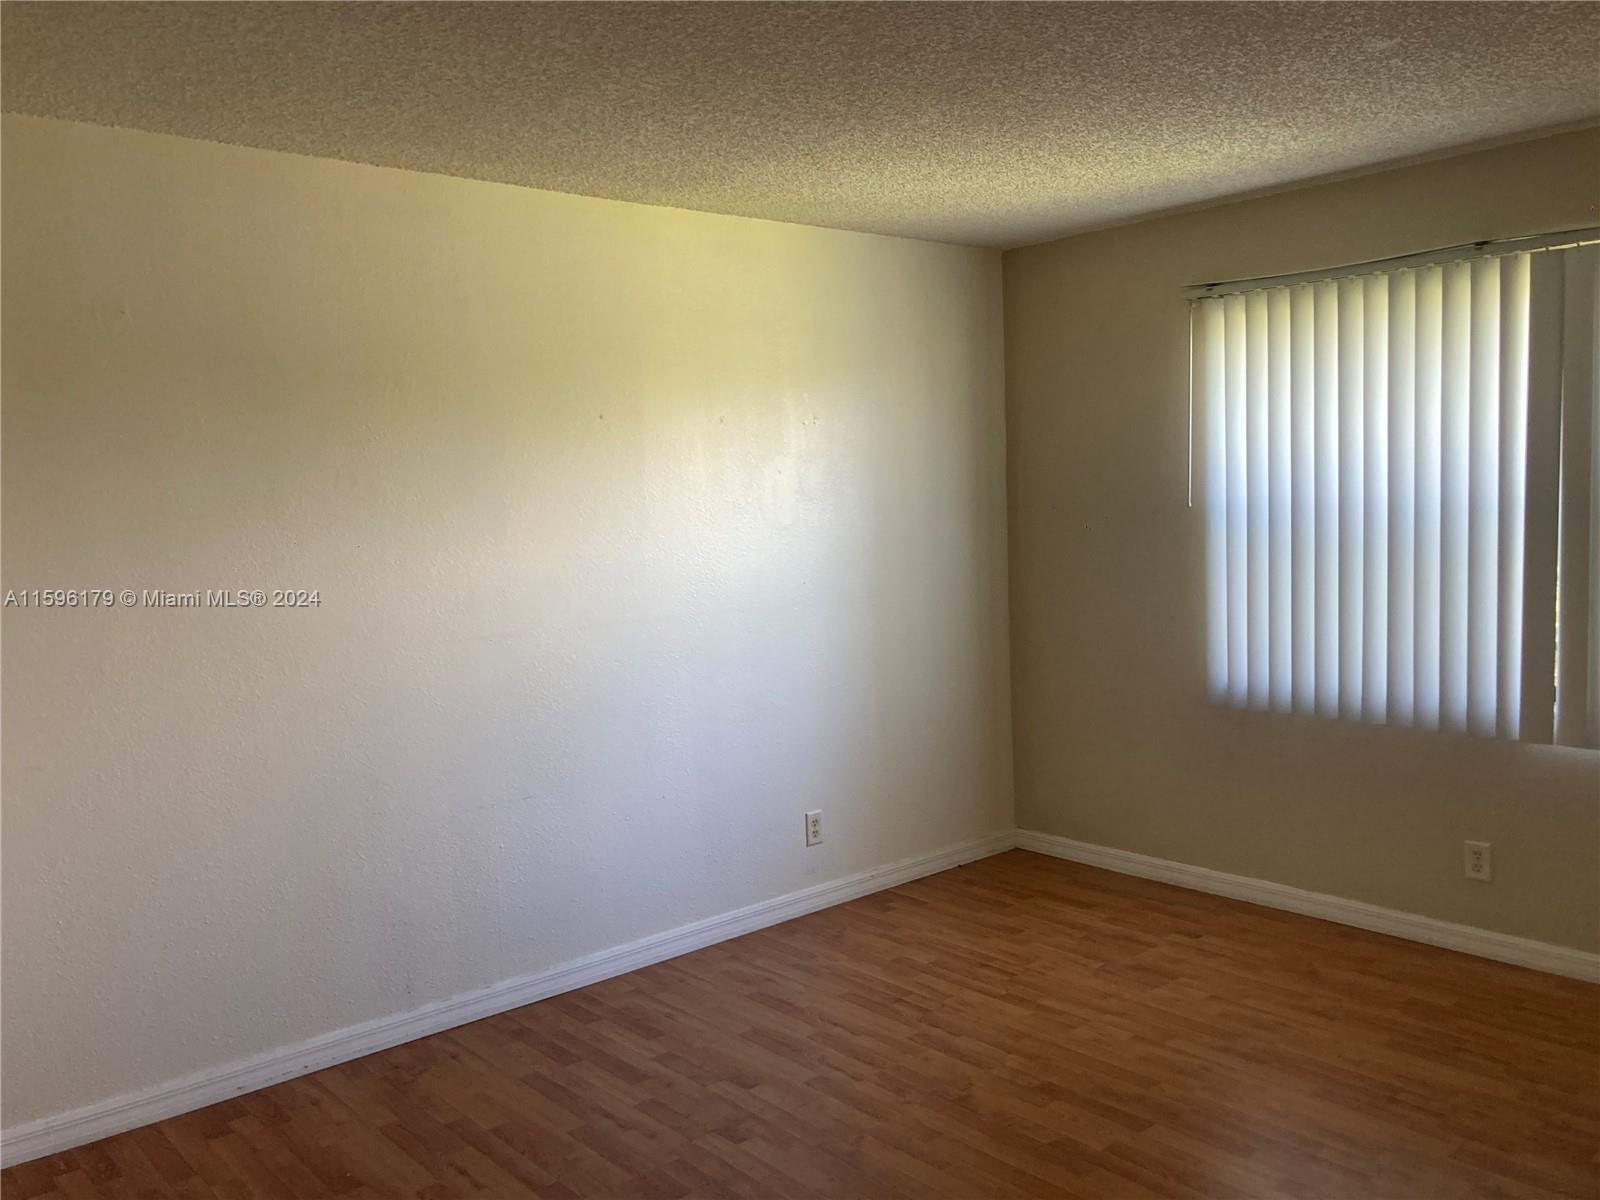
x=1479, y=864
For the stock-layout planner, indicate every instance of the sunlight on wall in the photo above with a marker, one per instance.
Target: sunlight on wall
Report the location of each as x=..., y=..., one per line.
x=638, y=533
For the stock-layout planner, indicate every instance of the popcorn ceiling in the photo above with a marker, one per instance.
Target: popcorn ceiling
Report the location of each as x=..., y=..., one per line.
x=992, y=124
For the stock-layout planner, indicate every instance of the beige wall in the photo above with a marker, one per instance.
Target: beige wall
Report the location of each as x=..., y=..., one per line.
x=1114, y=741
x=638, y=532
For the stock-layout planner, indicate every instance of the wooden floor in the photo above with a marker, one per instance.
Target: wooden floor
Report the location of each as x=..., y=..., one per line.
x=1018, y=1027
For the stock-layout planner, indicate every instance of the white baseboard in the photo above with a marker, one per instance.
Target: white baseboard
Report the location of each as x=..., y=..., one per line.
x=1523, y=952
x=51, y=1135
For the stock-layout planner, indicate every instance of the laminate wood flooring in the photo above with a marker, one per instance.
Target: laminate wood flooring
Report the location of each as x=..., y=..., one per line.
x=1019, y=1027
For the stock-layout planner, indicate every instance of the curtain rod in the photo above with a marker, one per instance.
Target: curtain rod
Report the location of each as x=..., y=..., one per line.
x=1537, y=241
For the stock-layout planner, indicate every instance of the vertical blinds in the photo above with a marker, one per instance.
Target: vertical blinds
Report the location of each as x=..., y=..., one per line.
x=1401, y=505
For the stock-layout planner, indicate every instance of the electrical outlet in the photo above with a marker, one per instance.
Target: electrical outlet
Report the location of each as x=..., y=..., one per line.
x=1478, y=862
x=813, y=827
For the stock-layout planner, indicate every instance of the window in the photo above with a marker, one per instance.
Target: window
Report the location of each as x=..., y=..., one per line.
x=1401, y=505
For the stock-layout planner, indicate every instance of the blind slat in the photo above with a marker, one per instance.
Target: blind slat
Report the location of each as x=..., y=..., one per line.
x=1206, y=332
x=1303, y=478
x=1454, y=450
x=1546, y=301
x=1326, y=315
x=1352, y=484
x=1238, y=538
x=1425, y=621
x=1402, y=494
x=1255, y=326
x=1513, y=462
x=1577, y=624
x=1375, y=537
x=1280, y=587
x=1589, y=347
x=1483, y=498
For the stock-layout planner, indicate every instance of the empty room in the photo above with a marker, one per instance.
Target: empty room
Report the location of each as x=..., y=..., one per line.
x=865, y=601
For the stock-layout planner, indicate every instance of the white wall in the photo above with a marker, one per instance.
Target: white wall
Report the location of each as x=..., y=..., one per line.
x=1115, y=741
x=637, y=533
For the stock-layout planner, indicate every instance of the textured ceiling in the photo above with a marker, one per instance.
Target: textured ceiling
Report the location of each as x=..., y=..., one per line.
x=998, y=124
